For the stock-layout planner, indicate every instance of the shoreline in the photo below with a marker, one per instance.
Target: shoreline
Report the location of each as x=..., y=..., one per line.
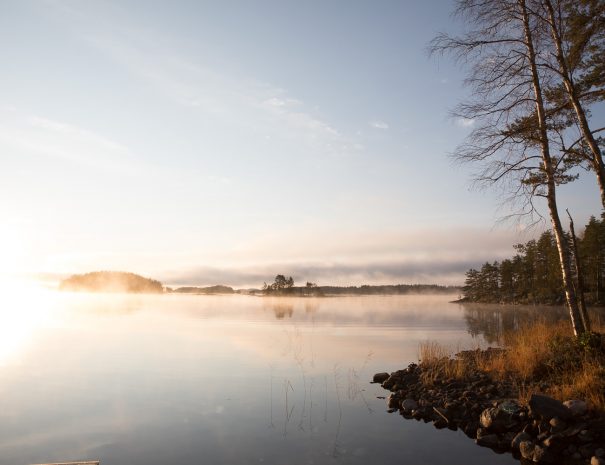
x=539, y=429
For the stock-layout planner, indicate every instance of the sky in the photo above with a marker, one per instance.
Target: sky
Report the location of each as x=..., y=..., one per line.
x=202, y=142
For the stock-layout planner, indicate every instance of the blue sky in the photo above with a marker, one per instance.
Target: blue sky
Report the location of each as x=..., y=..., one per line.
x=206, y=142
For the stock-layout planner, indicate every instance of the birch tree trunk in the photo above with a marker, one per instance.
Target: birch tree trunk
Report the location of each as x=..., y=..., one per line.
x=547, y=163
x=579, y=276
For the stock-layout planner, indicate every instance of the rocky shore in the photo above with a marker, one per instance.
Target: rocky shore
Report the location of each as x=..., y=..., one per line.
x=544, y=430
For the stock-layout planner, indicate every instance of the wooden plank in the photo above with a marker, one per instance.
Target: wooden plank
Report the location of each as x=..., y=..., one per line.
x=93, y=462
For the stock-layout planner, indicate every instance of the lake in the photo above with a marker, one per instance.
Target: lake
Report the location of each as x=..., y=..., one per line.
x=177, y=379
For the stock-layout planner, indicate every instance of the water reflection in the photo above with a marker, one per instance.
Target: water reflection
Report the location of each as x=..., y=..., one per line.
x=135, y=380
x=280, y=307
x=492, y=321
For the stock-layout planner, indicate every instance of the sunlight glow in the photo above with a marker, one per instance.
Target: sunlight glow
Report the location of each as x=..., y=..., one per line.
x=26, y=309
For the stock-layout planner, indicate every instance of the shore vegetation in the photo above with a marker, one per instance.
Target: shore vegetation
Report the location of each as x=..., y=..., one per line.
x=540, y=357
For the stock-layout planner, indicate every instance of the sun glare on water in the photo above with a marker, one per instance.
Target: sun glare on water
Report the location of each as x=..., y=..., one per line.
x=25, y=308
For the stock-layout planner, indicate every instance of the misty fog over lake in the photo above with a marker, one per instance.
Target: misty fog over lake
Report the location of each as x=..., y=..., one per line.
x=139, y=380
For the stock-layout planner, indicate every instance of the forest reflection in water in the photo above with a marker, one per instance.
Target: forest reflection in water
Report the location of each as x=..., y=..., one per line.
x=492, y=321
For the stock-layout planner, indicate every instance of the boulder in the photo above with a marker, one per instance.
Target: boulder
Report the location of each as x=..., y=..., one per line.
x=518, y=439
x=585, y=436
x=554, y=441
x=409, y=404
x=557, y=425
x=390, y=382
x=495, y=420
x=510, y=406
x=547, y=408
x=439, y=423
x=506, y=440
x=527, y=450
x=586, y=450
x=489, y=440
x=380, y=377
x=577, y=407
x=543, y=455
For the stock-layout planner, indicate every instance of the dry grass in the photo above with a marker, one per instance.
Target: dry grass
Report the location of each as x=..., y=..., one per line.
x=529, y=350
x=540, y=357
x=437, y=362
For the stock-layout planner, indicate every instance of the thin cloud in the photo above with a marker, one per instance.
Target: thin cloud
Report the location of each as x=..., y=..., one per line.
x=400, y=272
x=377, y=124
x=238, y=101
x=427, y=258
x=282, y=102
x=465, y=122
x=37, y=135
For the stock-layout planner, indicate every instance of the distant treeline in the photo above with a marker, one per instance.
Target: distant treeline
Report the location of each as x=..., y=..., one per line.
x=533, y=275
x=119, y=281
x=111, y=281
x=219, y=289
x=390, y=289
x=283, y=285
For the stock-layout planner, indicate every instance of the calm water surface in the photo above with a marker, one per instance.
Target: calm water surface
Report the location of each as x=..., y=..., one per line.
x=142, y=380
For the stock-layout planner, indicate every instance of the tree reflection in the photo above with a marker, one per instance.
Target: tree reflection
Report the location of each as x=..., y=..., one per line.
x=280, y=308
x=493, y=321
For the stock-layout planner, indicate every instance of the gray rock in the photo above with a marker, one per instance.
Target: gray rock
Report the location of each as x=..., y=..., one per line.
x=380, y=377
x=557, y=425
x=597, y=460
x=409, y=404
x=494, y=420
x=587, y=450
x=527, y=450
x=506, y=440
x=543, y=427
x=543, y=455
x=600, y=452
x=542, y=436
x=553, y=441
x=489, y=440
x=577, y=407
x=573, y=430
x=439, y=423
x=529, y=429
x=510, y=406
x=518, y=439
x=585, y=436
x=390, y=382
x=547, y=407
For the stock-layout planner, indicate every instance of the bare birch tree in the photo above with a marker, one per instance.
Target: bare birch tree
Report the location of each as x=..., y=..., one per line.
x=513, y=131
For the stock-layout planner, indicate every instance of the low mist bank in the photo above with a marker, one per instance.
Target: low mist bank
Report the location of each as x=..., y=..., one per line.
x=118, y=281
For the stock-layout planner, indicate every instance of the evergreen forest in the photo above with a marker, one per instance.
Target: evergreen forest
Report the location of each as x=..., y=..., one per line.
x=533, y=274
